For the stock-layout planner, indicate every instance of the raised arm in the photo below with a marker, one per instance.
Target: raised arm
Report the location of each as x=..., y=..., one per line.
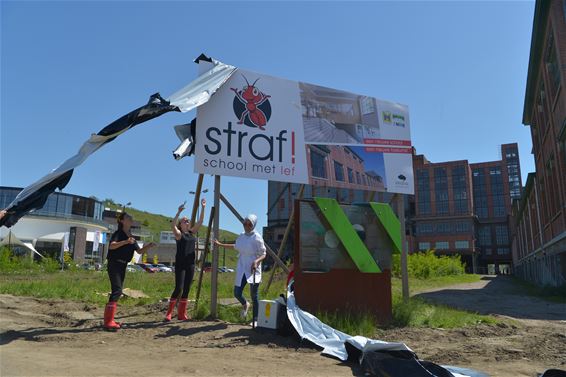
x=174, y=228
x=146, y=247
x=116, y=244
x=226, y=245
x=197, y=226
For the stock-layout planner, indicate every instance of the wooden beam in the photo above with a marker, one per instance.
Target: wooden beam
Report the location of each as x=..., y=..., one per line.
x=270, y=252
x=285, y=236
x=204, y=255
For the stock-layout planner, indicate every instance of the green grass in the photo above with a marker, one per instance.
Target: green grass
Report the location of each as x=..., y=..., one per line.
x=419, y=313
x=420, y=285
x=22, y=278
x=92, y=287
x=350, y=323
x=554, y=294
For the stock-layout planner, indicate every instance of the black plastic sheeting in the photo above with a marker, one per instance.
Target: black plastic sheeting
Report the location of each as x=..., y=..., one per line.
x=395, y=364
x=155, y=107
x=554, y=373
x=35, y=200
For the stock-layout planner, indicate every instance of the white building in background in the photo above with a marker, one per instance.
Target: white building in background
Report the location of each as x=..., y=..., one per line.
x=65, y=223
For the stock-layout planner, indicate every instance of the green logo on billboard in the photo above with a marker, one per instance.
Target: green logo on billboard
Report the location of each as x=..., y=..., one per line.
x=349, y=237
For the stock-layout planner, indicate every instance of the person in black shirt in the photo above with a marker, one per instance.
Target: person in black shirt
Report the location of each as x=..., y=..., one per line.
x=184, y=234
x=120, y=252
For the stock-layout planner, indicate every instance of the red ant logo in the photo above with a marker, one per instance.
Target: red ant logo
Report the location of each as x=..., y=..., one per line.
x=251, y=106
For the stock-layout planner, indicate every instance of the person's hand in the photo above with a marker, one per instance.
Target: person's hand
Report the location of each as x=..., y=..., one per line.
x=217, y=242
x=3, y=213
x=181, y=208
x=203, y=202
x=131, y=240
x=151, y=244
x=254, y=265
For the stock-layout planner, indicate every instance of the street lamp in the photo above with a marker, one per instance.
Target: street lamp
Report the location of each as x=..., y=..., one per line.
x=124, y=205
x=198, y=209
x=198, y=204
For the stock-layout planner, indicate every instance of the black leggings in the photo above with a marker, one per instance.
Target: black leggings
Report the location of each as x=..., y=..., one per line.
x=117, y=274
x=184, y=273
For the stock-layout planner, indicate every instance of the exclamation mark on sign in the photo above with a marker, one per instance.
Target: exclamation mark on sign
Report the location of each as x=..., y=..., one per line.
x=293, y=147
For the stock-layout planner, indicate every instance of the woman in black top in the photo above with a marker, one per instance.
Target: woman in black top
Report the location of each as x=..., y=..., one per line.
x=184, y=234
x=120, y=253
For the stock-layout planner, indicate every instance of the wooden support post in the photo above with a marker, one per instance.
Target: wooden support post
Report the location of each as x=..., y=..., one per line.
x=204, y=255
x=214, y=272
x=270, y=252
x=404, y=251
x=197, y=199
x=285, y=236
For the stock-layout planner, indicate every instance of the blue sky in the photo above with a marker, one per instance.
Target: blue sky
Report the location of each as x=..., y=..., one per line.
x=70, y=68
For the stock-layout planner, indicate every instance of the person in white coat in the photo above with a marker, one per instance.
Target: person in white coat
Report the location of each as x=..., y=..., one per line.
x=251, y=247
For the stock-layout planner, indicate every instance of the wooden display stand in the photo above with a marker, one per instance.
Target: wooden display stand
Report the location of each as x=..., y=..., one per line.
x=348, y=289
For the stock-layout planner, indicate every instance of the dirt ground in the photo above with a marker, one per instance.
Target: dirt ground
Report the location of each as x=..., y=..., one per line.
x=60, y=338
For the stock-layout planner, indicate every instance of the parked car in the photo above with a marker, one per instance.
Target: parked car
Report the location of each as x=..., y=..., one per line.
x=225, y=269
x=134, y=268
x=148, y=267
x=163, y=268
x=87, y=266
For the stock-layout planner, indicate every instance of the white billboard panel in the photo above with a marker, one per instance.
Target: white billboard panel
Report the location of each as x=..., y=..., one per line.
x=263, y=127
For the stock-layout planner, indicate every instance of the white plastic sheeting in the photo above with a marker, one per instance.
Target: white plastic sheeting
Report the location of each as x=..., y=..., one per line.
x=333, y=341
x=202, y=88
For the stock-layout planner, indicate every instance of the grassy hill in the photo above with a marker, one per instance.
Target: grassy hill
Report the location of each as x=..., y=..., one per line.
x=155, y=224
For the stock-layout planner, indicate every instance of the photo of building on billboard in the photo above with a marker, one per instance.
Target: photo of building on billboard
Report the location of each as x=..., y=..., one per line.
x=345, y=167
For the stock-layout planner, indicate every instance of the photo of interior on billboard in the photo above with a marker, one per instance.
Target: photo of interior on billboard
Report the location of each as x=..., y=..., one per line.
x=333, y=116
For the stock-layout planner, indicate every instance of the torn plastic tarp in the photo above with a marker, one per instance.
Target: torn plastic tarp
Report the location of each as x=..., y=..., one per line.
x=331, y=340
x=186, y=133
x=203, y=87
x=378, y=358
x=194, y=94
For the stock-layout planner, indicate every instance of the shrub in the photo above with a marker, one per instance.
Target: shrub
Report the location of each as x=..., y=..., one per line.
x=10, y=263
x=426, y=265
x=50, y=265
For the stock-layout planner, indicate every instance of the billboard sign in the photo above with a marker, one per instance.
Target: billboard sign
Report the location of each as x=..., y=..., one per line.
x=263, y=127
